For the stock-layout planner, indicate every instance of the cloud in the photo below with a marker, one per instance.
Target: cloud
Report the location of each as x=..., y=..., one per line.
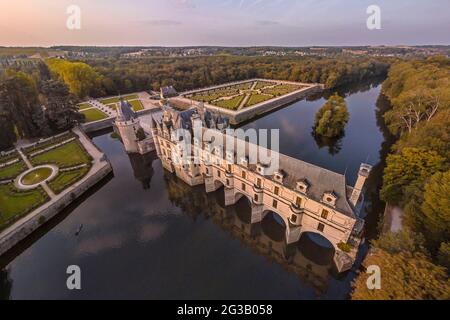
x=162, y=23
x=185, y=3
x=267, y=23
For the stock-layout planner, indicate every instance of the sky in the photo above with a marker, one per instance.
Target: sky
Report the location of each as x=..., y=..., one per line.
x=223, y=22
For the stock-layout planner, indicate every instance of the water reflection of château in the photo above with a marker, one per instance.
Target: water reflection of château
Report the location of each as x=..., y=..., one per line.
x=142, y=167
x=311, y=262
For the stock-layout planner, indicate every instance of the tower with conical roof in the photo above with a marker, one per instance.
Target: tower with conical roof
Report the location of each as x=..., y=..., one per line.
x=127, y=123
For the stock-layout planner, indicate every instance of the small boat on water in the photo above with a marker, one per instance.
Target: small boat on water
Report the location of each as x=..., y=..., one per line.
x=79, y=230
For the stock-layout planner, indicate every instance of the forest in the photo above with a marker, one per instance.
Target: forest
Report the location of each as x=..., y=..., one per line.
x=416, y=260
x=130, y=75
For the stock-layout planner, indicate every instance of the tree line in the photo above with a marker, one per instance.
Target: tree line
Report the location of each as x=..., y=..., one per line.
x=416, y=260
x=130, y=75
x=33, y=103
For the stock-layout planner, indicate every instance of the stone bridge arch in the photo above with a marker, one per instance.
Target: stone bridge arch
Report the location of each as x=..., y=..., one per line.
x=274, y=226
x=305, y=230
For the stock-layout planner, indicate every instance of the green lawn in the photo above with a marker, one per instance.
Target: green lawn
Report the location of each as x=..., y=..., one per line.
x=67, y=155
x=257, y=98
x=48, y=143
x=67, y=178
x=9, y=157
x=36, y=176
x=136, y=105
x=12, y=171
x=112, y=106
x=232, y=103
x=83, y=106
x=263, y=84
x=93, y=115
x=281, y=89
x=15, y=204
x=117, y=99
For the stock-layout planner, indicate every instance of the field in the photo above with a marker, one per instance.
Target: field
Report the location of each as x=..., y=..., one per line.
x=67, y=155
x=281, y=89
x=14, y=203
x=117, y=99
x=232, y=103
x=136, y=104
x=93, y=115
x=36, y=176
x=83, y=106
x=11, y=171
x=230, y=97
x=67, y=178
x=257, y=98
x=47, y=143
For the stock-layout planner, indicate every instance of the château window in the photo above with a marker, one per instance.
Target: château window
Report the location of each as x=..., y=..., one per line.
x=229, y=168
x=256, y=197
x=244, y=175
x=258, y=182
x=294, y=218
x=243, y=186
x=228, y=182
x=298, y=202
x=324, y=214
x=320, y=227
x=207, y=171
x=274, y=203
x=218, y=173
x=276, y=190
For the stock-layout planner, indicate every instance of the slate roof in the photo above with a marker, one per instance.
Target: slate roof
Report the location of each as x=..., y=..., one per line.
x=125, y=111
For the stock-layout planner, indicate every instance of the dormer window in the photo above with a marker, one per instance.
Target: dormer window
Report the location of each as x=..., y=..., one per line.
x=329, y=198
x=260, y=168
x=302, y=186
x=278, y=176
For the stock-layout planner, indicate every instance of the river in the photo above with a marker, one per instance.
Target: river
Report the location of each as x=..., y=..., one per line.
x=147, y=235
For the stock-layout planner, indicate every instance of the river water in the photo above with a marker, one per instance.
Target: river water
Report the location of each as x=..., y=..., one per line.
x=147, y=235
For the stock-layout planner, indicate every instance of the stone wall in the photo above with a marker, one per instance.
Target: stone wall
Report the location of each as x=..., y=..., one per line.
x=98, y=125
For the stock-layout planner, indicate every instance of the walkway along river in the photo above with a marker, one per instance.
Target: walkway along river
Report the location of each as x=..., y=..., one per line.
x=147, y=235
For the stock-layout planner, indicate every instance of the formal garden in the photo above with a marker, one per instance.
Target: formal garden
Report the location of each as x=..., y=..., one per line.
x=238, y=96
x=94, y=113
x=39, y=172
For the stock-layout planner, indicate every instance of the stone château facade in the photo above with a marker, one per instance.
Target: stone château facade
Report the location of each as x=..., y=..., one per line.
x=306, y=197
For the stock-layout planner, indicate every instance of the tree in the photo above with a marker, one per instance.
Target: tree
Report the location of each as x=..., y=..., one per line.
x=332, y=117
x=19, y=98
x=60, y=106
x=81, y=78
x=401, y=241
x=407, y=171
x=404, y=276
x=444, y=255
x=436, y=209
